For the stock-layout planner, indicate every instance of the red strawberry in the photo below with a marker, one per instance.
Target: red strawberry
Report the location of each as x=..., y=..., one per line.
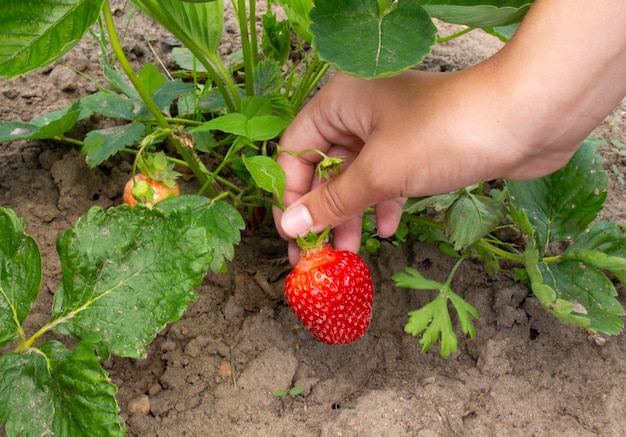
x=330, y=291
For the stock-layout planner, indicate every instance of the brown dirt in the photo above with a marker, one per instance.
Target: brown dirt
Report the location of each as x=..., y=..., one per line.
x=212, y=373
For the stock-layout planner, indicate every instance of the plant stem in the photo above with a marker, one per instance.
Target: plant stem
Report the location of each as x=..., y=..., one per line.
x=189, y=156
x=453, y=272
x=454, y=35
x=70, y=140
x=246, y=44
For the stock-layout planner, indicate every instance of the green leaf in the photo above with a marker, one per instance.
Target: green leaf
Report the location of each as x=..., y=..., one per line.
x=234, y=123
x=252, y=106
x=110, y=105
x=603, y=246
x=276, y=38
x=471, y=217
x=560, y=206
x=439, y=202
x=47, y=126
x=606, y=237
x=220, y=219
x=433, y=319
x=20, y=275
x=54, y=391
x=267, y=174
x=298, y=14
x=151, y=78
x=170, y=91
x=545, y=293
x=503, y=33
x=357, y=37
x=100, y=144
x=267, y=78
x=199, y=23
x=253, y=127
x=37, y=32
x=463, y=311
x=266, y=127
x=478, y=13
x=126, y=274
x=186, y=60
x=414, y=279
x=589, y=291
x=120, y=82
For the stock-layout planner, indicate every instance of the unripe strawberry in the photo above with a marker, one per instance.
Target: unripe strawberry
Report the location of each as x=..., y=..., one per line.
x=330, y=291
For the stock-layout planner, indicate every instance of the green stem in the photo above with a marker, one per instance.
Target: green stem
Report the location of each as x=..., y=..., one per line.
x=454, y=35
x=514, y=257
x=188, y=155
x=253, y=36
x=453, y=271
x=70, y=140
x=313, y=74
x=246, y=45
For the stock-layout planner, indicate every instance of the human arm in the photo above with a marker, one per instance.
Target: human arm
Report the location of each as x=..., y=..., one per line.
x=518, y=115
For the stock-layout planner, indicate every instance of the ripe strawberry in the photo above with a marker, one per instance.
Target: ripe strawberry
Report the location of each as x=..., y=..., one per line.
x=330, y=291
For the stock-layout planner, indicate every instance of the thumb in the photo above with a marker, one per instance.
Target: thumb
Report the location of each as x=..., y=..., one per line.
x=331, y=204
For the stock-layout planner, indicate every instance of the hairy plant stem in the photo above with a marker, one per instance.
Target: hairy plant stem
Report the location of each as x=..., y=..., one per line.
x=196, y=166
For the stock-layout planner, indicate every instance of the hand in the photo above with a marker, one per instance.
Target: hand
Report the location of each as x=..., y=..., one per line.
x=398, y=137
x=518, y=115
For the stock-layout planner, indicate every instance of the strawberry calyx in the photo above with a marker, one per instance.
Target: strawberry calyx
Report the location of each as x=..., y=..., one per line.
x=312, y=241
x=157, y=167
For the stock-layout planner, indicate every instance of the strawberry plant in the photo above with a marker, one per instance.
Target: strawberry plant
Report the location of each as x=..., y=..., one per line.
x=574, y=284
x=221, y=117
x=125, y=275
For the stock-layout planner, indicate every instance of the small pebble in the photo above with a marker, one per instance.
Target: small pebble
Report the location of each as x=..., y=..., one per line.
x=139, y=405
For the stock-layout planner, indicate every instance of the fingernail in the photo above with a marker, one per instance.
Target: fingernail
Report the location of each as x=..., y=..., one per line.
x=296, y=220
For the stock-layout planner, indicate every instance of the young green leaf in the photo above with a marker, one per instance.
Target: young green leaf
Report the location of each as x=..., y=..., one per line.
x=560, y=206
x=267, y=174
x=298, y=14
x=254, y=123
x=20, y=275
x=54, y=391
x=414, y=279
x=100, y=144
x=433, y=319
x=37, y=32
x=438, y=202
x=276, y=38
x=118, y=266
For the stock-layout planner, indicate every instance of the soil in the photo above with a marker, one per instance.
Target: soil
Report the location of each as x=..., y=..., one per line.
x=213, y=372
